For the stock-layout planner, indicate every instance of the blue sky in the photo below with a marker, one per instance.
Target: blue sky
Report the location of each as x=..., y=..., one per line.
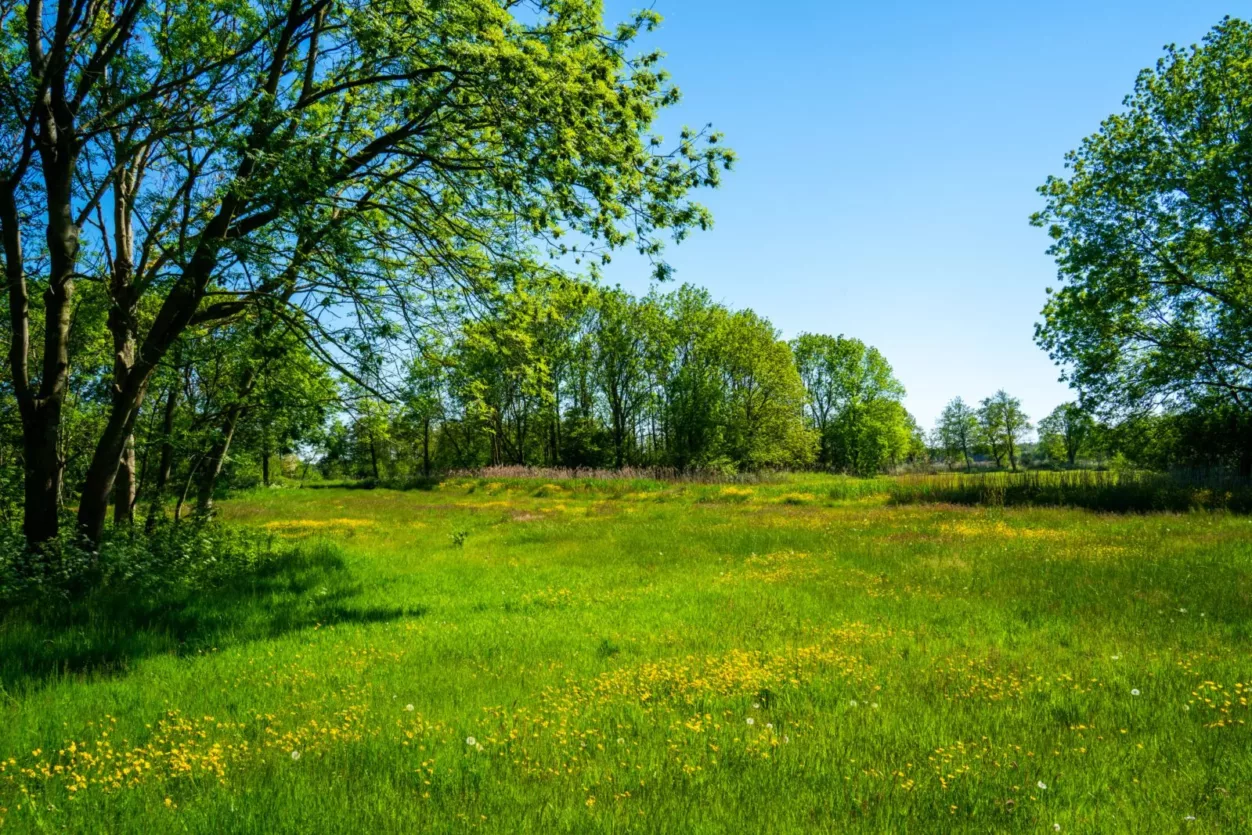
x=889, y=156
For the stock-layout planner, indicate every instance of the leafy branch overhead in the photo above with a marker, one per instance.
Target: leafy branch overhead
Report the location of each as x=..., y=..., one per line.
x=357, y=169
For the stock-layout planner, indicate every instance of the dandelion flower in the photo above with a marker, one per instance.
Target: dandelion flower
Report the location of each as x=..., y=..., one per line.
x=1134, y=691
x=621, y=741
x=751, y=721
x=1042, y=785
x=769, y=725
x=852, y=702
x=786, y=739
x=756, y=705
x=409, y=708
x=1056, y=827
x=874, y=705
x=1117, y=658
x=295, y=755
x=470, y=741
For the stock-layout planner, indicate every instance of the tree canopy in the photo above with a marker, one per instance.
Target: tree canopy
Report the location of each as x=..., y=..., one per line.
x=1152, y=231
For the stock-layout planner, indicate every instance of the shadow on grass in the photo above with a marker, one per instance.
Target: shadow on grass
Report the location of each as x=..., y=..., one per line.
x=414, y=483
x=103, y=635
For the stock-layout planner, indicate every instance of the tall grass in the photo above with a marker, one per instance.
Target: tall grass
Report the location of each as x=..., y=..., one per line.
x=1120, y=492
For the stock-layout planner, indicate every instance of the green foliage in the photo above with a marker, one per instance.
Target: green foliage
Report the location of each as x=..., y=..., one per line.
x=1151, y=229
x=1067, y=433
x=854, y=405
x=1003, y=427
x=958, y=432
x=562, y=374
x=171, y=559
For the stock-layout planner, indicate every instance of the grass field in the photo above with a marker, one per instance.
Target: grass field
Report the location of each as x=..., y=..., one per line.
x=639, y=656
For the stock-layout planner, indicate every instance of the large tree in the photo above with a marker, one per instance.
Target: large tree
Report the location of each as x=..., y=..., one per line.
x=1152, y=230
x=343, y=164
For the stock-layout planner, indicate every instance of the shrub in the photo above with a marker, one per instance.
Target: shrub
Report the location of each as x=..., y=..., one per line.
x=187, y=556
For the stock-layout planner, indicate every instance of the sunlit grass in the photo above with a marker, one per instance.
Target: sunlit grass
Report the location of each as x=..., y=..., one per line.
x=799, y=655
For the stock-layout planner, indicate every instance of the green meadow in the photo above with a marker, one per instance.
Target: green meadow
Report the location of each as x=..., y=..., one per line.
x=801, y=655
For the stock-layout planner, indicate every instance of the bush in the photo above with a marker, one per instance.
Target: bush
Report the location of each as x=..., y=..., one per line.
x=183, y=556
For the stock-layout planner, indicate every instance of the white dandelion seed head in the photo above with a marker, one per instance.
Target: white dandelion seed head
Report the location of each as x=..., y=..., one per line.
x=1042, y=785
x=1186, y=707
x=409, y=708
x=756, y=705
x=1189, y=818
x=874, y=705
x=1056, y=827
x=769, y=725
x=852, y=702
x=295, y=755
x=1117, y=658
x=1134, y=691
x=751, y=721
x=786, y=739
x=470, y=741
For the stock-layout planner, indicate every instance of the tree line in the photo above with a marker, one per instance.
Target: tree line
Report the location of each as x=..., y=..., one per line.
x=568, y=375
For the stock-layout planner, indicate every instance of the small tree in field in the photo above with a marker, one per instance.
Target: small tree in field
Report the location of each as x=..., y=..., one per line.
x=1065, y=433
x=957, y=431
x=1004, y=426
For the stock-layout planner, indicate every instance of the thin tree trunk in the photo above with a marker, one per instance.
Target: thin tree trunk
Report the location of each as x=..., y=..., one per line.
x=124, y=486
x=426, y=448
x=215, y=460
x=265, y=457
x=167, y=458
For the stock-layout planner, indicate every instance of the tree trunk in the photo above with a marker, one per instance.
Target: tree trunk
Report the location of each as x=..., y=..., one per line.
x=265, y=456
x=122, y=325
x=216, y=459
x=167, y=459
x=40, y=416
x=42, y=473
x=426, y=448
x=124, y=486
x=41, y=410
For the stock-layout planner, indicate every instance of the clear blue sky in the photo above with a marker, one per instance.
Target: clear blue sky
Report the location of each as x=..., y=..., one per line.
x=889, y=156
